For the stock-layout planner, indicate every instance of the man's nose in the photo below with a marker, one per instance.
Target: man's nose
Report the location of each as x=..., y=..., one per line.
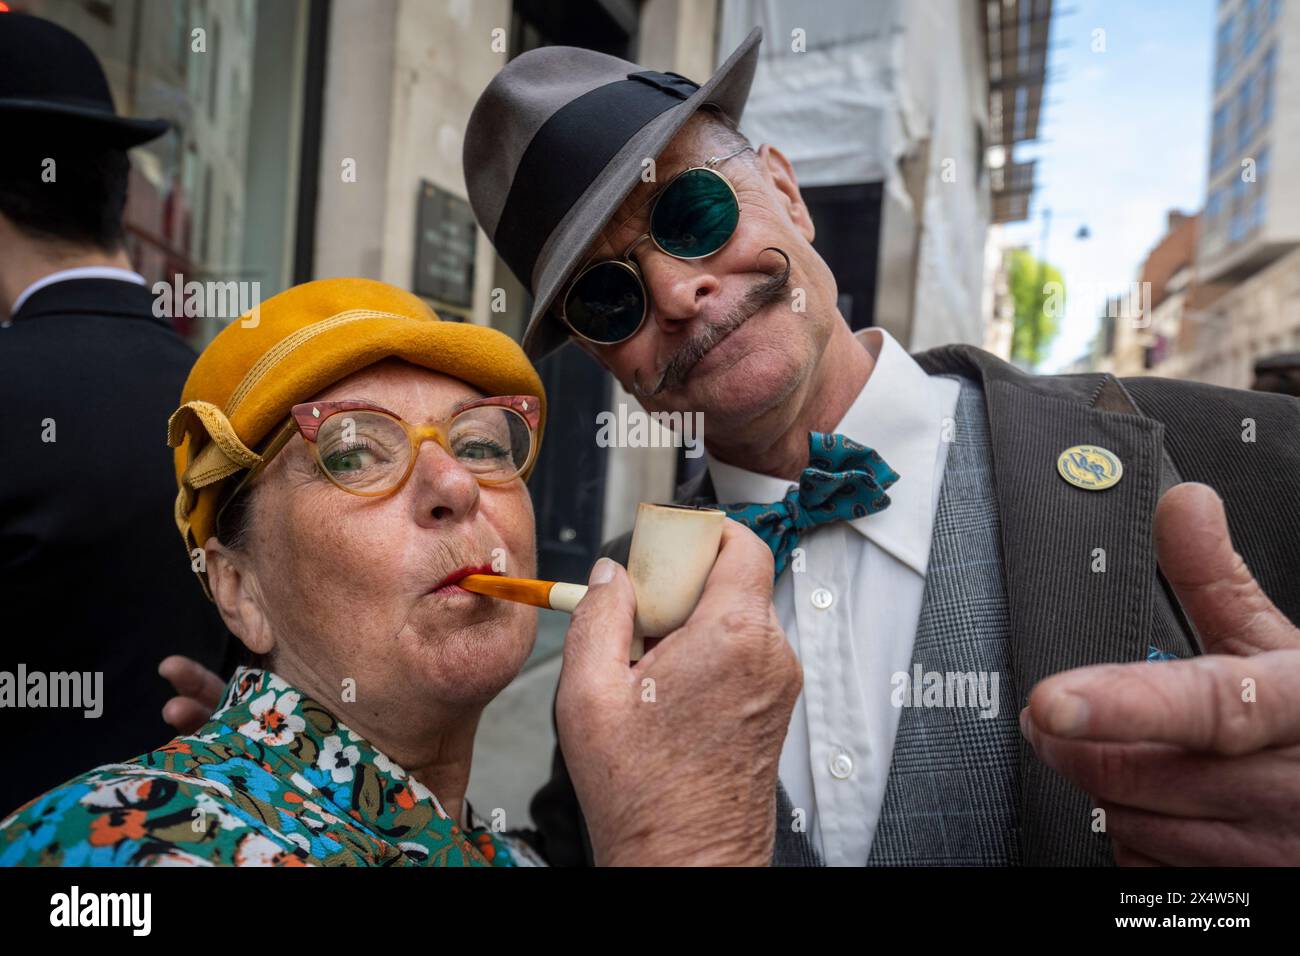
x=443, y=490
x=679, y=288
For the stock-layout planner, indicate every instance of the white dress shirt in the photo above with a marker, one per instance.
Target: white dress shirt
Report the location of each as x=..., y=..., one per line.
x=82, y=272
x=851, y=614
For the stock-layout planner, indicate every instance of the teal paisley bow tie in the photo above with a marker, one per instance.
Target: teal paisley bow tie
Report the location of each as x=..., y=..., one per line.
x=843, y=480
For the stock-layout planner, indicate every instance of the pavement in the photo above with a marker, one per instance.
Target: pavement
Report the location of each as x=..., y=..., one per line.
x=515, y=739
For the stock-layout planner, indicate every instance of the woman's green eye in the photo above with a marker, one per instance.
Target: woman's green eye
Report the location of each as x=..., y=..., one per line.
x=480, y=449
x=341, y=461
x=346, y=459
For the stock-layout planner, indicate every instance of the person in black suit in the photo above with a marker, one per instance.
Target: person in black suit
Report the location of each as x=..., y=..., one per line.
x=94, y=586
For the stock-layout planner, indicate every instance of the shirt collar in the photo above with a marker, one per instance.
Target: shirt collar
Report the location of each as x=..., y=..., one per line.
x=81, y=272
x=899, y=413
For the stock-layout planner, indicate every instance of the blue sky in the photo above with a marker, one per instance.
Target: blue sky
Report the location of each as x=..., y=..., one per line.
x=1125, y=139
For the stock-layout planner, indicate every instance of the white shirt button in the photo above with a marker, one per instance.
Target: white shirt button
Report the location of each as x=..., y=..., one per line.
x=841, y=764
x=822, y=598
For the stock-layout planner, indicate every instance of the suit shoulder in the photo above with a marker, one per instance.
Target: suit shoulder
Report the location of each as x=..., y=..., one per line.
x=1245, y=444
x=60, y=354
x=1189, y=398
x=1212, y=415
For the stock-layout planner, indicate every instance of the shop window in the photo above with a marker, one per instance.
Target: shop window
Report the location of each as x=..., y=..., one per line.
x=209, y=200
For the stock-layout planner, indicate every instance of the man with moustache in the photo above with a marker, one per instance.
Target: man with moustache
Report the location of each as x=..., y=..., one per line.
x=944, y=510
x=937, y=514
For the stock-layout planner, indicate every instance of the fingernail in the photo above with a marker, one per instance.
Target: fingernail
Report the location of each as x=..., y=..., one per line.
x=1024, y=721
x=602, y=572
x=1067, y=716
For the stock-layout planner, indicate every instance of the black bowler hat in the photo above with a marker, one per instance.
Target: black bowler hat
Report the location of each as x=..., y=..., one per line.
x=51, y=75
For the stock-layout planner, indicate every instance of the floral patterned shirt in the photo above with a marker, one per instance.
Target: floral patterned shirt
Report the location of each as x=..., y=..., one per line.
x=273, y=779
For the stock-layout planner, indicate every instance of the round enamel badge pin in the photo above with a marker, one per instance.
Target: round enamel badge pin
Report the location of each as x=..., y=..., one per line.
x=1090, y=467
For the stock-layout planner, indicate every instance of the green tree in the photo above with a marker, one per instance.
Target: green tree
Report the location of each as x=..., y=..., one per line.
x=1038, y=292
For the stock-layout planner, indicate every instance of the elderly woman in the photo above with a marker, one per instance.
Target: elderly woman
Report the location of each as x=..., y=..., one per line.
x=393, y=449
x=333, y=554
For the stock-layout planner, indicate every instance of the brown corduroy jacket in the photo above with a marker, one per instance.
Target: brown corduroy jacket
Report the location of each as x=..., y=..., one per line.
x=1245, y=445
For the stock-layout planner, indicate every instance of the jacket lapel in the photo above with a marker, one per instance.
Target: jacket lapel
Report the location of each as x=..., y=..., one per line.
x=1065, y=611
x=697, y=491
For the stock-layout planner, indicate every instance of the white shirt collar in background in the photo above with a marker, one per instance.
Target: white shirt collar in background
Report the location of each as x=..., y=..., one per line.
x=83, y=272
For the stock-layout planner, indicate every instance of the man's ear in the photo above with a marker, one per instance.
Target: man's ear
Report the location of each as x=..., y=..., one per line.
x=784, y=179
x=238, y=597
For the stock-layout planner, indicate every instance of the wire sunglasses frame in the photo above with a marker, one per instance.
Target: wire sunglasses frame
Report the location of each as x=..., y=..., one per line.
x=625, y=260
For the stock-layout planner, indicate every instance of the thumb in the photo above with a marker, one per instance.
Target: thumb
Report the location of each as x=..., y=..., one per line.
x=600, y=630
x=1222, y=597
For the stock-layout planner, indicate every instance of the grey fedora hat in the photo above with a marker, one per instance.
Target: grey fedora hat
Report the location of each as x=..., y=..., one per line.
x=556, y=143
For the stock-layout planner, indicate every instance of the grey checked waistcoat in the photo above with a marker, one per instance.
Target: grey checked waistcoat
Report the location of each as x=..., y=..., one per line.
x=953, y=789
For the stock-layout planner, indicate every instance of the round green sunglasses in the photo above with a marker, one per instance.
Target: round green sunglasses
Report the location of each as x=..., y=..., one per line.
x=694, y=215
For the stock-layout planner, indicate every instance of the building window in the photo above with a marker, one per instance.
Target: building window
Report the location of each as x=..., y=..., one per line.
x=1267, y=81
x=209, y=199
x=203, y=224
x=1250, y=34
x=1214, y=209
x=1223, y=56
x=1219, y=142
x=1259, y=190
x=1241, y=214
x=213, y=90
x=1245, y=113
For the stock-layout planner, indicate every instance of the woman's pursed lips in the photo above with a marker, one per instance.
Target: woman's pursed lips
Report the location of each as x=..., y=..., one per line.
x=449, y=585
